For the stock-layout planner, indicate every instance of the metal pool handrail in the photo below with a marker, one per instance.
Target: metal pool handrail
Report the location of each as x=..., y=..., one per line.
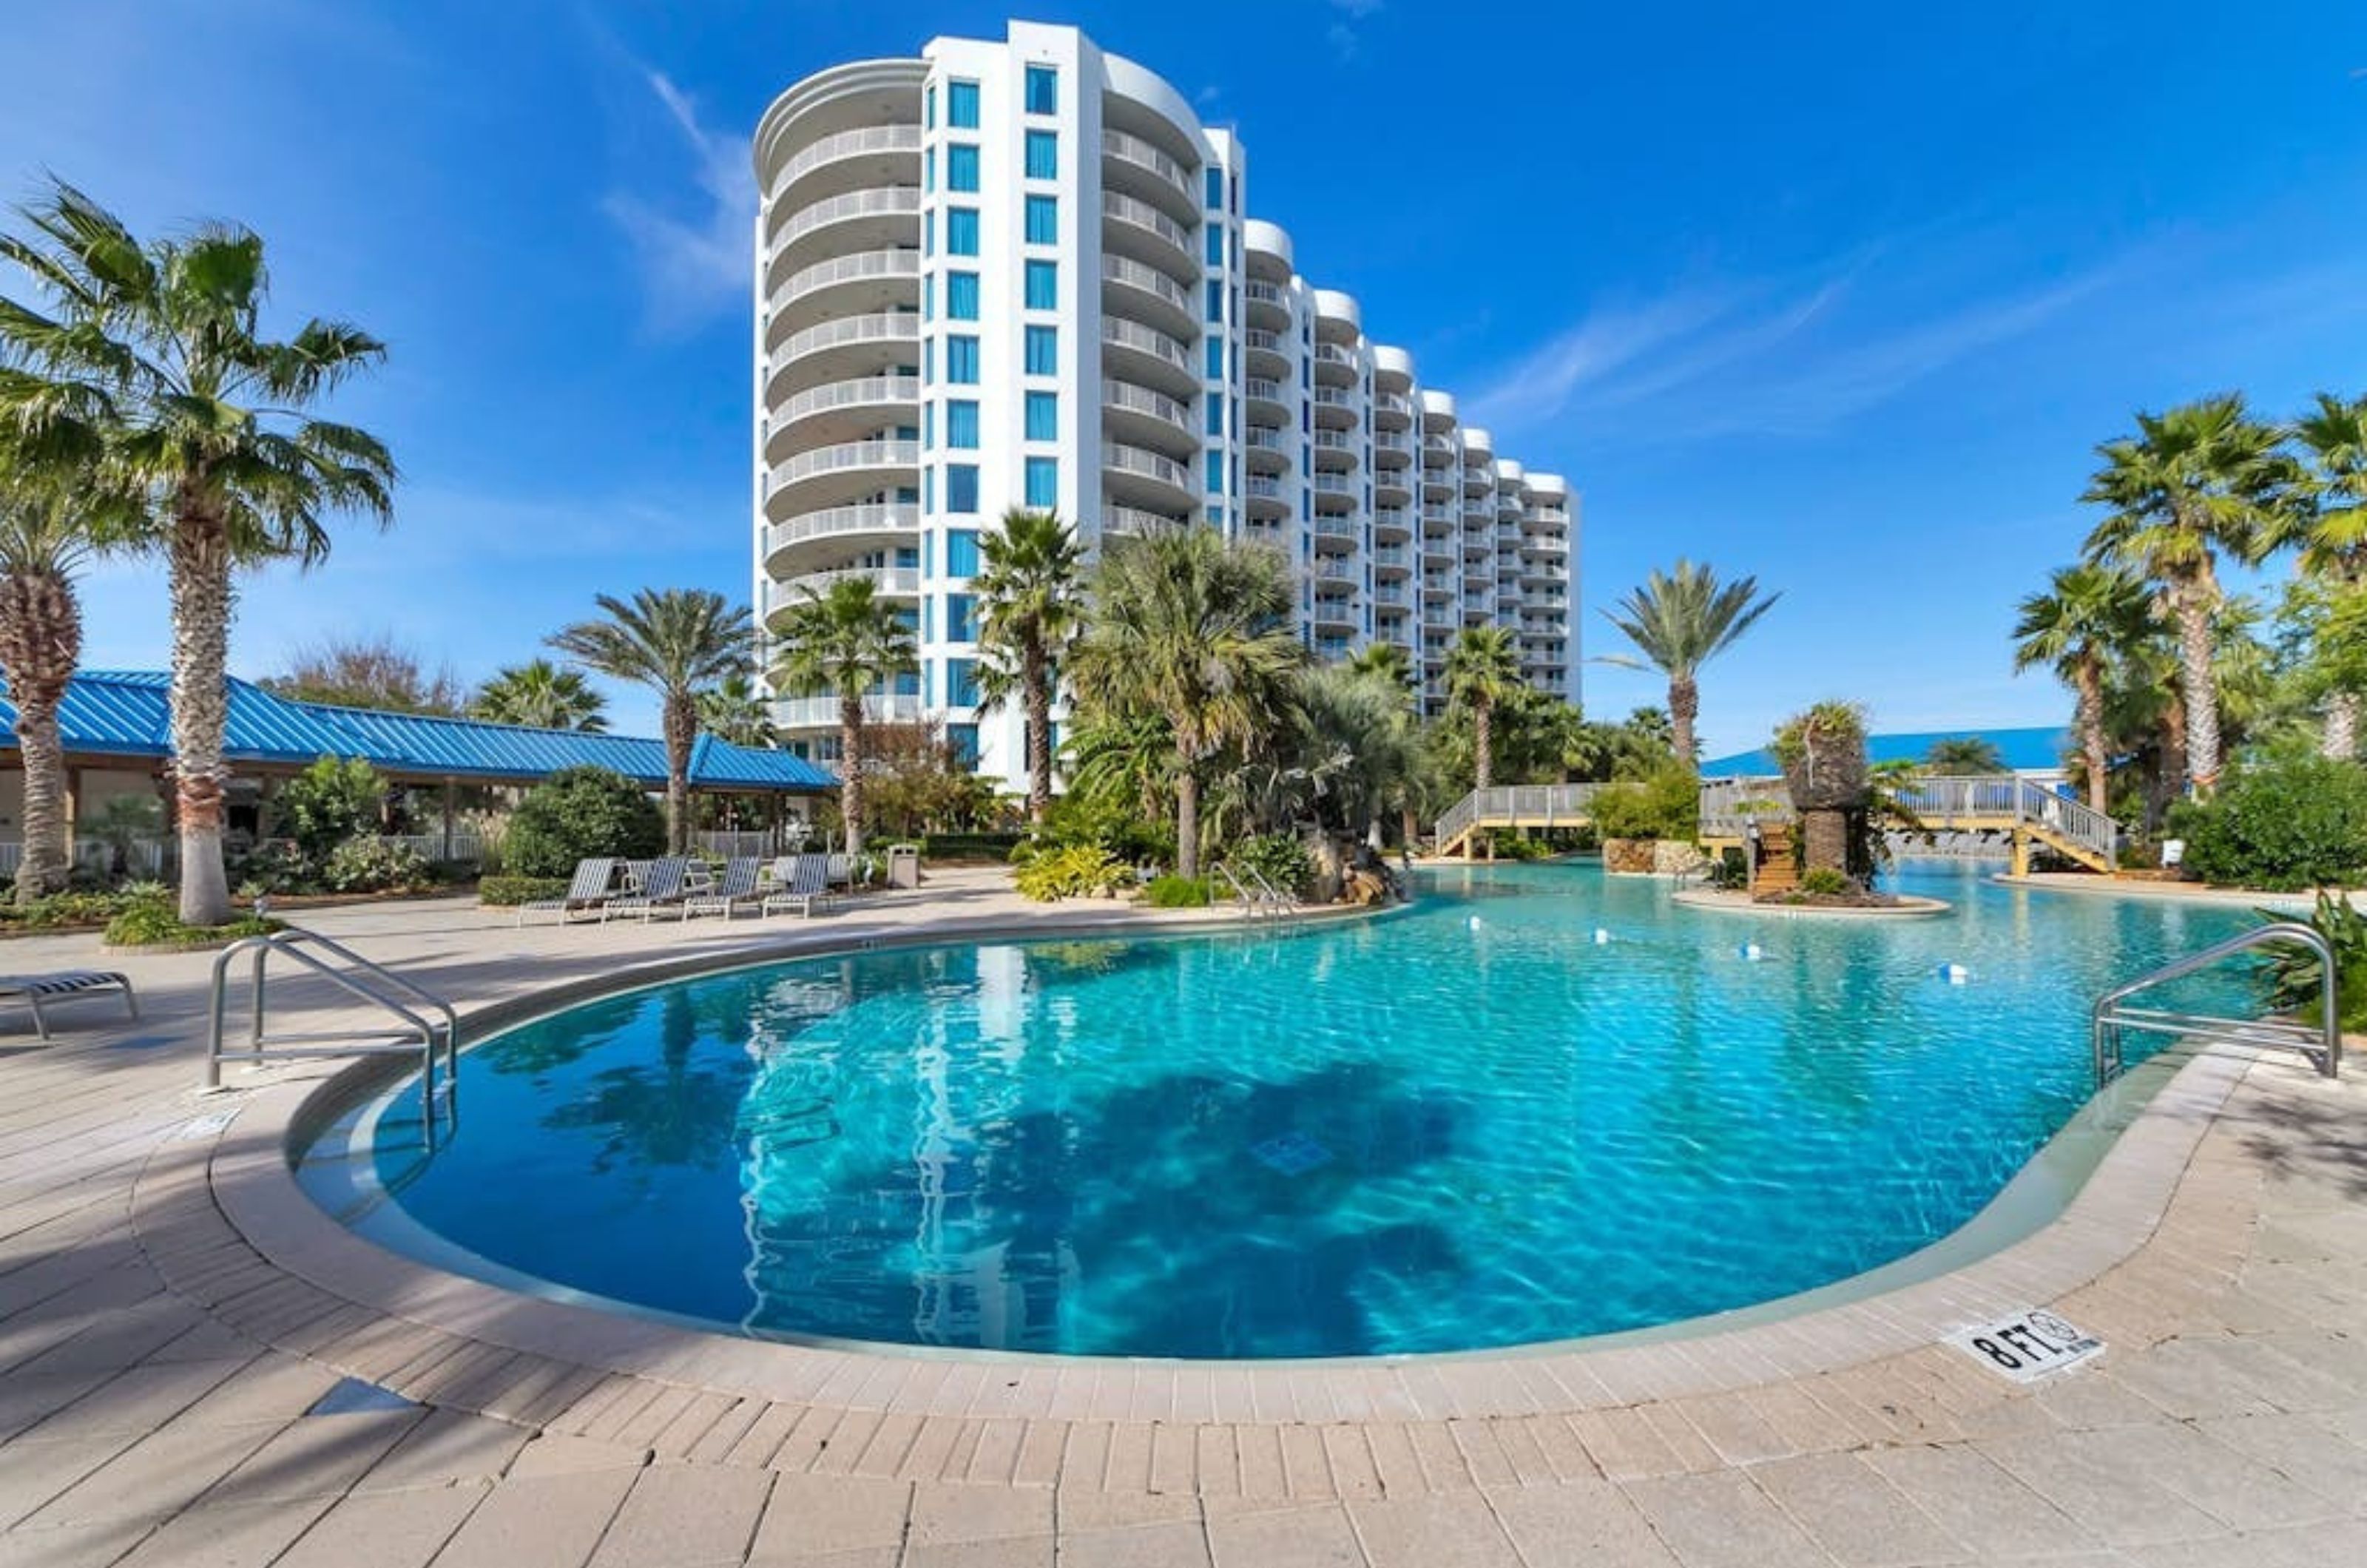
x=2322, y=1043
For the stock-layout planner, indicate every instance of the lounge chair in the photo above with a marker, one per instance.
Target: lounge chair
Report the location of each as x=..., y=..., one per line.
x=35, y=989
x=808, y=886
x=660, y=892
x=584, y=894
x=736, y=888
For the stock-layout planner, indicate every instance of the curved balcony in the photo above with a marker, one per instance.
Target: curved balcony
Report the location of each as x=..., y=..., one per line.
x=1392, y=449
x=1392, y=410
x=865, y=283
x=1267, y=449
x=1144, y=293
x=1336, y=451
x=1333, y=491
x=1438, y=489
x=836, y=530
x=1134, y=228
x=1335, y=533
x=1438, y=452
x=873, y=219
x=1148, y=418
x=1267, y=498
x=843, y=350
x=1392, y=525
x=1149, y=357
x=1342, y=408
x=1267, y=354
x=1131, y=164
x=1335, y=613
x=1136, y=520
x=845, y=160
x=822, y=713
x=839, y=473
x=1267, y=399
x=1336, y=366
x=1391, y=560
x=1266, y=305
x=1135, y=476
x=840, y=410
x=1391, y=489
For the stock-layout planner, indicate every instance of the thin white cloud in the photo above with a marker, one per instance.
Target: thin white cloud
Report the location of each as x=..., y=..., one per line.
x=694, y=266
x=1344, y=34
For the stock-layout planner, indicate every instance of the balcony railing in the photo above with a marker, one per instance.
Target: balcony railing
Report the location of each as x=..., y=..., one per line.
x=1142, y=215
x=862, y=266
x=1118, y=394
x=1262, y=388
x=810, y=713
x=846, y=455
x=884, y=201
x=847, y=394
x=1151, y=464
x=887, y=326
x=1150, y=279
x=1148, y=340
x=852, y=143
x=1143, y=156
x=837, y=521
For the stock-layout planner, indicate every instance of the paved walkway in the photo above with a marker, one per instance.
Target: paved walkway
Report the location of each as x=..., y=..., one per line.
x=168, y=1395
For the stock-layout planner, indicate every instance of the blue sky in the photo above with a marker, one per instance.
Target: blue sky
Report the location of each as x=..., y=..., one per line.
x=1841, y=295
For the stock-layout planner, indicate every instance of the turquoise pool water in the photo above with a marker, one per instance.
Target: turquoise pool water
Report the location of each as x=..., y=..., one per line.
x=1470, y=1124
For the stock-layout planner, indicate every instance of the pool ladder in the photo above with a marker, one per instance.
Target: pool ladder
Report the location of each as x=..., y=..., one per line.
x=1264, y=899
x=2321, y=1041
x=419, y=1022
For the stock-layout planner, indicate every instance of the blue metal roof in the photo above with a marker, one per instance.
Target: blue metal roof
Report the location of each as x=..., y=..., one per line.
x=2035, y=750
x=127, y=714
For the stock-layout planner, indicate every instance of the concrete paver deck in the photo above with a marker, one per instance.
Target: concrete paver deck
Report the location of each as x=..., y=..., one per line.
x=168, y=1321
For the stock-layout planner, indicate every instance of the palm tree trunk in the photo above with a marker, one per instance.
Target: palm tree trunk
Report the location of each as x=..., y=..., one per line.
x=681, y=721
x=1684, y=706
x=2171, y=778
x=201, y=568
x=850, y=769
x=1187, y=821
x=1483, y=740
x=40, y=643
x=2341, y=740
x=2200, y=689
x=2091, y=679
x=1040, y=734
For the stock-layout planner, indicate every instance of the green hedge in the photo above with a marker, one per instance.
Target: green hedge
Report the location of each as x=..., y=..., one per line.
x=2282, y=826
x=1178, y=893
x=511, y=891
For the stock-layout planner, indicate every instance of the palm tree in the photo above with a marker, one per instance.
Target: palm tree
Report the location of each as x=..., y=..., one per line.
x=541, y=694
x=844, y=641
x=2193, y=484
x=2333, y=531
x=1388, y=661
x=1681, y=620
x=677, y=641
x=1483, y=670
x=154, y=349
x=2087, y=616
x=42, y=541
x=1963, y=756
x=1030, y=614
x=739, y=711
x=1198, y=631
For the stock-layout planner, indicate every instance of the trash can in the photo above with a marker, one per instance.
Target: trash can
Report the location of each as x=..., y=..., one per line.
x=904, y=865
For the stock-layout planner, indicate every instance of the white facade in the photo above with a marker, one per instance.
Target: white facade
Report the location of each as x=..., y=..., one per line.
x=1019, y=274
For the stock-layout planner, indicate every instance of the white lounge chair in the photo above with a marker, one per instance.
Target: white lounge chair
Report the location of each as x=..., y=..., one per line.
x=660, y=892
x=584, y=894
x=35, y=989
x=808, y=886
x=735, y=889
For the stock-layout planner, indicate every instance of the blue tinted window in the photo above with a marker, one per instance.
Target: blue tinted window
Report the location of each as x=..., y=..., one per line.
x=1214, y=182
x=929, y=233
x=1216, y=252
x=1043, y=481
x=961, y=692
x=962, y=486
x=961, y=424
x=1216, y=473
x=961, y=231
x=1043, y=286
x=1043, y=351
x=961, y=166
x=961, y=296
x=961, y=618
x=1042, y=416
x=961, y=105
x=1215, y=352
x=928, y=424
x=1216, y=301
x=929, y=170
x=963, y=739
x=1043, y=220
x=929, y=109
x=961, y=360
x=1216, y=420
x=1043, y=90
x=961, y=553
x=1043, y=155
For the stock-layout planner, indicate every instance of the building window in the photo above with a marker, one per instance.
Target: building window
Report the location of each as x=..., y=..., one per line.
x=929, y=170
x=1043, y=481
x=1042, y=416
x=928, y=489
x=928, y=297
x=1216, y=252
x=1043, y=219
x=963, y=739
x=1216, y=425
x=1213, y=183
x=961, y=692
x=1043, y=155
x=928, y=361
x=961, y=424
x=1043, y=286
x=961, y=552
x=961, y=296
x=961, y=360
x=929, y=232
x=961, y=105
x=929, y=109
x=961, y=488
x=961, y=166
x=1214, y=347
x=1043, y=351
x=961, y=618
x=928, y=425
x=1216, y=473
x=1216, y=301
x=1043, y=90
x=961, y=231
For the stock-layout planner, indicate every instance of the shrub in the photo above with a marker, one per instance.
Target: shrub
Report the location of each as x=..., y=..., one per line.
x=274, y=867
x=578, y=813
x=1076, y=872
x=2295, y=823
x=329, y=803
x=63, y=910
x=1824, y=882
x=369, y=864
x=1666, y=805
x=2291, y=980
x=1178, y=893
x=1507, y=843
x=1280, y=858
x=511, y=891
x=1108, y=825
x=154, y=922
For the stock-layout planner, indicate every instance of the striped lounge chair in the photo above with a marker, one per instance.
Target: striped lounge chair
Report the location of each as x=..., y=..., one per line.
x=35, y=990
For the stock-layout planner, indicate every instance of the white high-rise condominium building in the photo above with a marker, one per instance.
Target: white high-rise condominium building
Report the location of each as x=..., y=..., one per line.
x=1022, y=275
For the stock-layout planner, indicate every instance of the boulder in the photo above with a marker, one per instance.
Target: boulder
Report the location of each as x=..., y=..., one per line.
x=1630, y=857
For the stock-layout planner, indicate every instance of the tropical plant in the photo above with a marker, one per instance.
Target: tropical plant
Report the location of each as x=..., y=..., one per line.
x=577, y=814
x=376, y=865
x=542, y=695
x=1357, y=748
x=1177, y=893
x=917, y=781
x=1279, y=859
x=2087, y=616
x=1030, y=614
x=2332, y=534
x=43, y=542
x=1962, y=756
x=1483, y=672
x=1666, y=805
x=739, y=711
x=677, y=642
x=2194, y=484
x=845, y=641
x=368, y=672
x=328, y=802
x=1385, y=662
x=154, y=352
x=119, y=823
x=1822, y=753
x=1076, y=871
x=2282, y=825
x=1198, y=632
x=1679, y=621
x=2292, y=980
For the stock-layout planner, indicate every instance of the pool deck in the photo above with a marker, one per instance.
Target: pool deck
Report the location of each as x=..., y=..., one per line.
x=168, y=1317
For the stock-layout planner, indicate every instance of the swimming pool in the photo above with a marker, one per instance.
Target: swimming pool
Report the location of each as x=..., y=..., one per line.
x=1543, y=1104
